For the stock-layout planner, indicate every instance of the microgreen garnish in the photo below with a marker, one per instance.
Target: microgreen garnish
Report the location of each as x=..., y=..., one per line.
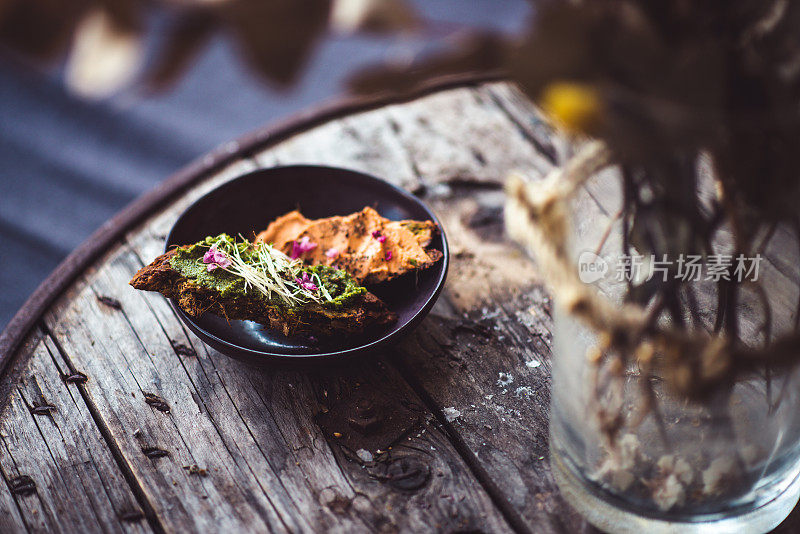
x=267, y=270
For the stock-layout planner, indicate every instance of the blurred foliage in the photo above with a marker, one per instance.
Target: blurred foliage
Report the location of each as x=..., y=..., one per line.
x=102, y=39
x=653, y=78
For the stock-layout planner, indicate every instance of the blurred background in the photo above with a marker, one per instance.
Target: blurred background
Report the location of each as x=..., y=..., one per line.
x=69, y=163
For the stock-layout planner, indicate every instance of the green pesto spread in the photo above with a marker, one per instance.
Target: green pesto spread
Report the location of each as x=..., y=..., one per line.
x=341, y=286
x=335, y=288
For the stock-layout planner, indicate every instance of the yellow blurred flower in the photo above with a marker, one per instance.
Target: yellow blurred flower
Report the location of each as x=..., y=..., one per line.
x=577, y=107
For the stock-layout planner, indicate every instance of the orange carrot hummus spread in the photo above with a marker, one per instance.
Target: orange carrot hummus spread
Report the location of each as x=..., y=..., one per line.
x=369, y=247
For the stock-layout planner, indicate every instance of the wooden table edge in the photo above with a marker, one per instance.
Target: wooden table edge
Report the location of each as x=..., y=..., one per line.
x=135, y=212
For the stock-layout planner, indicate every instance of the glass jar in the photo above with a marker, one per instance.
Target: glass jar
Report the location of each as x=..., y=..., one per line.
x=648, y=442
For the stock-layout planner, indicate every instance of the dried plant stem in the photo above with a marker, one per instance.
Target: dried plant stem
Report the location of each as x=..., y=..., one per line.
x=607, y=231
x=695, y=363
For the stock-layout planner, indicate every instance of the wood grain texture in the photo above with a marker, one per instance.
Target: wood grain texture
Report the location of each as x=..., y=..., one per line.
x=49, y=439
x=447, y=432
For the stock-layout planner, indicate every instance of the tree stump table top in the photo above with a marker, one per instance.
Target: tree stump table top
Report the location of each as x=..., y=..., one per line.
x=116, y=418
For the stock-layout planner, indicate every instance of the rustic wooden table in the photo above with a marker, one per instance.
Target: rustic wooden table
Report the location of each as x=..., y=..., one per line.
x=116, y=418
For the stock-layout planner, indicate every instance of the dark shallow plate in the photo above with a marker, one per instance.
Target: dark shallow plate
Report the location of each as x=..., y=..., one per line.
x=247, y=204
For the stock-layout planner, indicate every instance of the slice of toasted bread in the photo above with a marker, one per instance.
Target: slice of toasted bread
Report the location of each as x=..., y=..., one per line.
x=371, y=248
x=355, y=317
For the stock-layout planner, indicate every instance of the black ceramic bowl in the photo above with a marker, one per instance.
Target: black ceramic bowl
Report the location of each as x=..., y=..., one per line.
x=247, y=204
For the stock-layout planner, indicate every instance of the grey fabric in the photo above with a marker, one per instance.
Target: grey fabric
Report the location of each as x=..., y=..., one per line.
x=69, y=165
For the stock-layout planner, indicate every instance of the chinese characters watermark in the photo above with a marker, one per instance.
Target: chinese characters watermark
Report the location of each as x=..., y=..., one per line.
x=685, y=268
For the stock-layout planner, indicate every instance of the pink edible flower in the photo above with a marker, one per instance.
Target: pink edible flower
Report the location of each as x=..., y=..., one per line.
x=301, y=247
x=332, y=252
x=388, y=255
x=306, y=283
x=215, y=258
x=377, y=235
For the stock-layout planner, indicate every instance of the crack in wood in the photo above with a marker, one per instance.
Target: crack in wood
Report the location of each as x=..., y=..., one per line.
x=110, y=302
x=156, y=402
x=22, y=485
x=42, y=409
x=154, y=452
x=131, y=516
x=75, y=378
x=184, y=350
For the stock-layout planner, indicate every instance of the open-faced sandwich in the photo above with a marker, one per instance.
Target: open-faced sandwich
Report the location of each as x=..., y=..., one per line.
x=256, y=282
x=371, y=248
x=299, y=276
